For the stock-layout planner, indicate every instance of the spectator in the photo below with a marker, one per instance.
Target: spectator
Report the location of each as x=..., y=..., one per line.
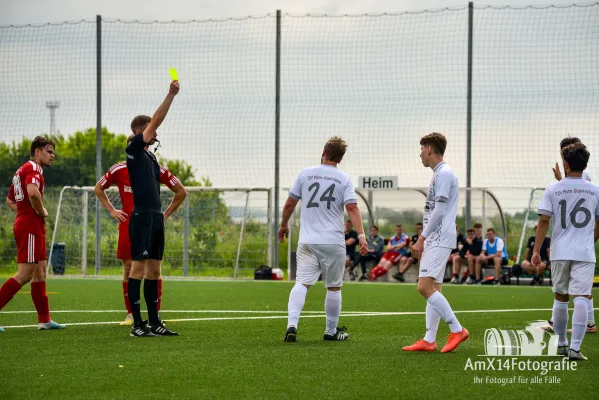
x=474, y=250
x=375, y=250
x=459, y=255
x=406, y=261
x=351, y=238
x=396, y=249
x=527, y=266
x=494, y=251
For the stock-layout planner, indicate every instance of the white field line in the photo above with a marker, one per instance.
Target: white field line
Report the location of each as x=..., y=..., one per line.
x=345, y=314
x=270, y=311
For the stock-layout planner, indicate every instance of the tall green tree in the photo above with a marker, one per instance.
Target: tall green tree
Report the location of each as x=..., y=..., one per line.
x=75, y=163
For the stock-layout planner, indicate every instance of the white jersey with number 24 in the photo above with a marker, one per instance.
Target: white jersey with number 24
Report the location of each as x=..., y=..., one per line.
x=573, y=203
x=324, y=191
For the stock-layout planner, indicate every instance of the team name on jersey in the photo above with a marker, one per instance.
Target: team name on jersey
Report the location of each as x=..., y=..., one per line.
x=127, y=189
x=326, y=178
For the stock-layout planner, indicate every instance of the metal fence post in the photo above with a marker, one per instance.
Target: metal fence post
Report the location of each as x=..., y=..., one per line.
x=84, y=205
x=186, y=236
x=277, y=133
x=469, y=119
x=98, y=136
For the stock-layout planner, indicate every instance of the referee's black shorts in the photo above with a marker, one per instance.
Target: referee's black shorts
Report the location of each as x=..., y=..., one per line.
x=146, y=232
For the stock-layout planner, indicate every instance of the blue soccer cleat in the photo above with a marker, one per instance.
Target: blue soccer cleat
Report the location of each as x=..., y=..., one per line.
x=45, y=326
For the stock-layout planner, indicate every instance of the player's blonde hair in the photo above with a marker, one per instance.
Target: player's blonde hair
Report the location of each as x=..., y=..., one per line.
x=335, y=149
x=436, y=141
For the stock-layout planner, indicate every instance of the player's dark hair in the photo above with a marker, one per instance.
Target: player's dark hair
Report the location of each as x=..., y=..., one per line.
x=139, y=122
x=470, y=230
x=436, y=141
x=419, y=224
x=568, y=141
x=39, y=143
x=335, y=149
x=577, y=156
x=491, y=230
x=478, y=225
x=349, y=220
x=375, y=227
x=398, y=226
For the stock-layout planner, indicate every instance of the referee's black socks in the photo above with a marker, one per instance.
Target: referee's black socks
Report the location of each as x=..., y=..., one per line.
x=151, y=296
x=134, y=289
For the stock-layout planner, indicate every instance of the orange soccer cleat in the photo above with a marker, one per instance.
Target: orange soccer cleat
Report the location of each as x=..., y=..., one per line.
x=454, y=340
x=421, y=345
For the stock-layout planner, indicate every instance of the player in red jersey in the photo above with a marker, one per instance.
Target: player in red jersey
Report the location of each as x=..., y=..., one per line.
x=119, y=176
x=25, y=198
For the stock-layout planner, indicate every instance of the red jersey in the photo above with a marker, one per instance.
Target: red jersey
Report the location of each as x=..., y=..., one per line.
x=27, y=219
x=118, y=174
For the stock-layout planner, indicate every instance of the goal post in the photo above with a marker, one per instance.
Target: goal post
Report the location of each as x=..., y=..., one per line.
x=217, y=232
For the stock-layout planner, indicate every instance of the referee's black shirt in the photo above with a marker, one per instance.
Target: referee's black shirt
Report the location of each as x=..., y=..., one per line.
x=144, y=175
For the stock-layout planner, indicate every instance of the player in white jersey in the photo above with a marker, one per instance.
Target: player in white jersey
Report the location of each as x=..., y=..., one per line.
x=324, y=191
x=435, y=243
x=591, y=326
x=574, y=205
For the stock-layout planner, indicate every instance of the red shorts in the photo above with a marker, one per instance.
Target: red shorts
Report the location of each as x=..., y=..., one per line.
x=123, y=250
x=31, y=248
x=393, y=256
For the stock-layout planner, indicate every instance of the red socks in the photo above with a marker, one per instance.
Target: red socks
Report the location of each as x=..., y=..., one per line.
x=159, y=293
x=40, y=300
x=8, y=291
x=377, y=272
x=126, y=296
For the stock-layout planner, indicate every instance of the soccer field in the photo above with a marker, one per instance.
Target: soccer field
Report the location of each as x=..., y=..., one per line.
x=231, y=345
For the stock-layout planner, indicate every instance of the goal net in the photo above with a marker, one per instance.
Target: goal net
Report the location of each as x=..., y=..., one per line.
x=216, y=232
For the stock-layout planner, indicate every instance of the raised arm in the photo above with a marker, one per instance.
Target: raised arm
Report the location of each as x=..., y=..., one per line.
x=161, y=112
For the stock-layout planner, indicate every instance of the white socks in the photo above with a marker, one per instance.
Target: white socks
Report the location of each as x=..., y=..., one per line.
x=439, y=303
x=332, y=308
x=297, y=298
x=591, y=313
x=432, y=324
x=579, y=321
x=560, y=321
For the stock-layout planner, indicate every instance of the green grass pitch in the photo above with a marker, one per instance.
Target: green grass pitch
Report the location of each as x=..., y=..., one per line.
x=242, y=355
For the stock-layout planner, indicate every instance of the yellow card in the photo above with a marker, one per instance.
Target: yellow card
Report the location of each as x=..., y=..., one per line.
x=174, y=75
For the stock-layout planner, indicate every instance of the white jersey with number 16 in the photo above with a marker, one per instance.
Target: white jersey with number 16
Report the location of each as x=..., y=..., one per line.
x=324, y=191
x=573, y=203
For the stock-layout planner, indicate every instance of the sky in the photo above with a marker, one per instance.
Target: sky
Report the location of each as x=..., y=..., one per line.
x=379, y=82
x=16, y=12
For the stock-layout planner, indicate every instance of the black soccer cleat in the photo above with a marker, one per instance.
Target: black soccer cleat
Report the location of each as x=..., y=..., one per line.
x=161, y=330
x=141, y=330
x=291, y=334
x=340, y=335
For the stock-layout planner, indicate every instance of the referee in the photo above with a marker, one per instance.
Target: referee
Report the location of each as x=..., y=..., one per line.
x=146, y=228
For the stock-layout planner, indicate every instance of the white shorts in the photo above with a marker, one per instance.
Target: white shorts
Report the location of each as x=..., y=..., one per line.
x=433, y=263
x=314, y=259
x=572, y=277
